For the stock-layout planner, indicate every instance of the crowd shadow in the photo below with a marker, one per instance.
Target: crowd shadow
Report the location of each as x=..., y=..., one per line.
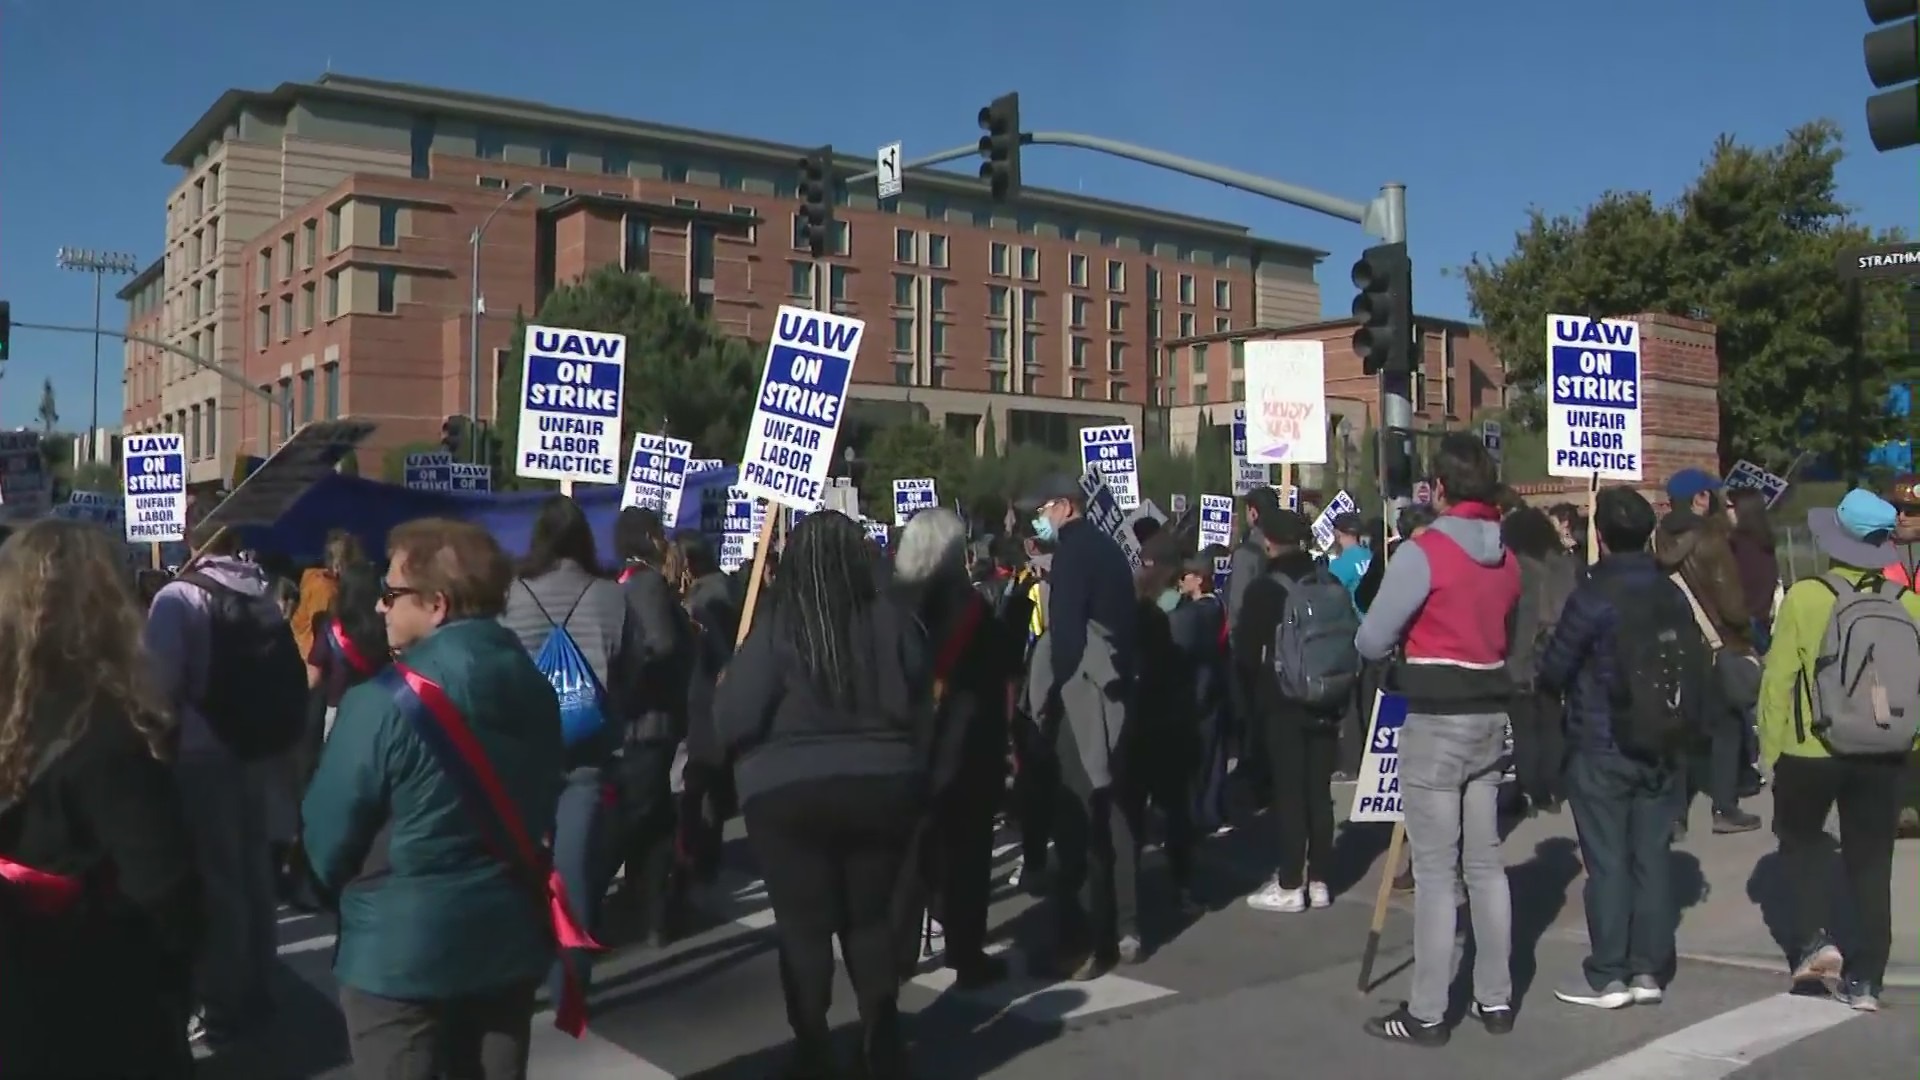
x=1771, y=890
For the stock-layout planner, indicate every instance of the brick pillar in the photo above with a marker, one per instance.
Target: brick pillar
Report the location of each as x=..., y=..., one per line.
x=1679, y=407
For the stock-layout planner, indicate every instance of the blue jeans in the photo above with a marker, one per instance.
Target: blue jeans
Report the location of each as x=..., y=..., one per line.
x=1623, y=813
x=581, y=854
x=226, y=808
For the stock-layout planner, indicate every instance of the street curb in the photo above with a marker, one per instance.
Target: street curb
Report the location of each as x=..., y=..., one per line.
x=1899, y=976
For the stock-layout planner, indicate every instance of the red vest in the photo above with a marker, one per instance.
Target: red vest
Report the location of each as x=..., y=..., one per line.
x=1464, y=621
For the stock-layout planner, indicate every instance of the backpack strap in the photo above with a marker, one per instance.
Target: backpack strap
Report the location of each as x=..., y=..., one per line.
x=1700, y=619
x=55, y=750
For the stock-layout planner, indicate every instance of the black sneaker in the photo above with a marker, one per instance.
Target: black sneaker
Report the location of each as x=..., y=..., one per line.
x=1497, y=1019
x=1734, y=821
x=1400, y=1026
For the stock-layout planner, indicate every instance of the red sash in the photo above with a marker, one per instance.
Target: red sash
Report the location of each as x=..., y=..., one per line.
x=437, y=721
x=348, y=651
x=956, y=644
x=625, y=574
x=41, y=893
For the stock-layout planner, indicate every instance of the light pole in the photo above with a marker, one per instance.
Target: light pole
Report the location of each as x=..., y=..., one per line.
x=473, y=317
x=99, y=264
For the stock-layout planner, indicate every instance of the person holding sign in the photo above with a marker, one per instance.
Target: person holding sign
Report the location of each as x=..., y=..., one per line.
x=1446, y=606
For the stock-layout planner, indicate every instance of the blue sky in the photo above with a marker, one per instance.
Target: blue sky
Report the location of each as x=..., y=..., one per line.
x=1481, y=107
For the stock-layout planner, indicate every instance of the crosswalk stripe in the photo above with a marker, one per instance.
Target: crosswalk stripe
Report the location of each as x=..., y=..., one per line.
x=552, y=1052
x=1723, y=1045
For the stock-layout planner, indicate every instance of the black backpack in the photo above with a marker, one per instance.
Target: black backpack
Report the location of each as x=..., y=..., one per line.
x=256, y=692
x=1660, y=672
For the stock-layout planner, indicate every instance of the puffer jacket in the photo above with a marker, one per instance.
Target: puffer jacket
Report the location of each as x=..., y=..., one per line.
x=1701, y=552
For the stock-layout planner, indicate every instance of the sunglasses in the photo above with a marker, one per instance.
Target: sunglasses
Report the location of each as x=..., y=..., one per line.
x=392, y=594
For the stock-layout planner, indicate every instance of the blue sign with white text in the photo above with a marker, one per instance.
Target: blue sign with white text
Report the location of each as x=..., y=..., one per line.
x=470, y=478
x=429, y=472
x=797, y=412
x=154, y=479
x=570, y=405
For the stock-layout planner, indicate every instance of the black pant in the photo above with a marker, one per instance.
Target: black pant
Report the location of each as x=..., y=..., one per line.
x=833, y=853
x=1715, y=768
x=1301, y=750
x=1159, y=771
x=959, y=861
x=1623, y=814
x=1867, y=789
x=1539, y=745
x=483, y=1037
x=1254, y=773
x=645, y=830
x=1095, y=881
x=1036, y=791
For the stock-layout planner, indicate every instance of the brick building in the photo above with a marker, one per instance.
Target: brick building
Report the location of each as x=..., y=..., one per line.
x=318, y=245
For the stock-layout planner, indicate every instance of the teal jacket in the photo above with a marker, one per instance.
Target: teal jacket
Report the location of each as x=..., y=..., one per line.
x=426, y=912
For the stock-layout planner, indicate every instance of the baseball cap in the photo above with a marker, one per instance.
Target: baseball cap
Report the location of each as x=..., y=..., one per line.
x=1052, y=486
x=1855, y=532
x=1685, y=484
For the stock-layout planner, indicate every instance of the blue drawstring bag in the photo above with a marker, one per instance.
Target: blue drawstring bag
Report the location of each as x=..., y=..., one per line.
x=583, y=711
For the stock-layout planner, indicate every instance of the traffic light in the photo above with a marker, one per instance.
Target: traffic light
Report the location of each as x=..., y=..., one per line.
x=1384, y=341
x=1000, y=146
x=1893, y=60
x=453, y=435
x=816, y=200
x=6, y=329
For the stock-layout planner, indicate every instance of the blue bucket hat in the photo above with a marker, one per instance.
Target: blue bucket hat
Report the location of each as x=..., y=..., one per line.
x=1856, y=533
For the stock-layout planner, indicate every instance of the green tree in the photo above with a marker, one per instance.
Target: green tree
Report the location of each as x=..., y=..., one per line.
x=1750, y=246
x=684, y=376
x=911, y=451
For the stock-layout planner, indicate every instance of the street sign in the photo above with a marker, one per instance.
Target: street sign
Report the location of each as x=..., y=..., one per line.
x=886, y=170
x=1490, y=438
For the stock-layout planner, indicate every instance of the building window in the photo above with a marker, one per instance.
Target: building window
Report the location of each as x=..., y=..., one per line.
x=1029, y=264
x=306, y=397
x=1116, y=356
x=1079, y=355
x=997, y=260
x=210, y=416
x=636, y=244
x=937, y=251
x=306, y=306
x=554, y=155
x=558, y=191
x=309, y=240
x=330, y=376
x=997, y=344
x=1082, y=388
x=1029, y=348
x=903, y=335
x=333, y=229
x=748, y=212
x=1200, y=360
x=906, y=246
x=491, y=183
x=800, y=280
x=286, y=408
x=265, y=281
x=193, y=435
x=422, y=147
x=1237, y=389
x=1116, y=276
x=1030, y=305
x=799, y=233
x=996, y=382
x=489, y=146
x=1030, y=384
x=1222, y=294
x=1237, y=356
x=903, y=374
x=996, y=301
x=703, y=241
x=1077, y=271
x=1186, y=324
x=686, y=203
x=1077, y=311
x=386, y=279
x=903, y=290
x=1116, y=317
x=1186, y=288
x=939, y=333
x=1153, y=323
x=333, y=295
x=1116, y=391
x=286, y=257
x=1222, y=324
x=837, y=283
x=938, y=294
x=286, y=317
x=842, y=238
x=389, y=225
x=262, y=326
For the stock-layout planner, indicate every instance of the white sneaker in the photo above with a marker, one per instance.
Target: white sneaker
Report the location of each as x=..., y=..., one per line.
x=933, y=939
x=1272, y=897
x=1019, y=867
x=1318, y=894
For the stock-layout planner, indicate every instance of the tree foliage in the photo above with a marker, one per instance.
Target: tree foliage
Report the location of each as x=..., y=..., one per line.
x=684, y=376
x=1750, y=246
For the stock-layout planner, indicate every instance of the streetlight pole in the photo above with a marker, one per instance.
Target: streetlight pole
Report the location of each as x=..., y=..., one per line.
x=473, y=319
x=99, y=264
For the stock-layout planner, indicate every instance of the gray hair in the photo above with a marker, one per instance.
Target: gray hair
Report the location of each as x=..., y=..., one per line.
x=932, y=546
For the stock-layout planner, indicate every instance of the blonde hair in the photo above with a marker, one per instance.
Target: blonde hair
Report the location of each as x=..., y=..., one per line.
x=70, y=645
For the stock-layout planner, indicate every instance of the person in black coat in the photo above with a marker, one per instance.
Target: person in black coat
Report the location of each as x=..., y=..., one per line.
x=713, y=613
x=95, y=965
x=975, y=658
x=1199, y=628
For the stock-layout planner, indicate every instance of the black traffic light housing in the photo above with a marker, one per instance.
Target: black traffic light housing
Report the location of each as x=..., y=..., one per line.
x=1893, y=63
x=453, y=434
x=1000, y=147
x=6, y=329
x=1384, y=306
x=816, y=201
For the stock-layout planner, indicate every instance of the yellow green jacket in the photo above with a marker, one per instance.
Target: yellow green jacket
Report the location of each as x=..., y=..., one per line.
x=1797, y=631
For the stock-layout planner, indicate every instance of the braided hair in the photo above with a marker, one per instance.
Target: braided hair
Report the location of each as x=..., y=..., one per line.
x=828, y=580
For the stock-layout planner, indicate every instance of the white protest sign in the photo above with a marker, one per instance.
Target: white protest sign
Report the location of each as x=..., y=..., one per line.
x=1247, y=475
x=154, y=477
x=1216, y=521
x=912, y=496
x=1745, y=474
x=1104, y=513
x=878, y=532
x=797, y=412
x=1490, y=437
x=1177, y=503
x=1593, y=397
x=656, y=472
x=1111, y=452
x=1286, y=406
x=1323, y=525
x=739, y=528
x=1376, y=794
x=570, y=399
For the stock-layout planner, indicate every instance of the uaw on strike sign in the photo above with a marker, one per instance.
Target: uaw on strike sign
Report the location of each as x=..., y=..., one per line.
x=1593, y=398
x=796, y=415
x=154, y=475
x=570, y=405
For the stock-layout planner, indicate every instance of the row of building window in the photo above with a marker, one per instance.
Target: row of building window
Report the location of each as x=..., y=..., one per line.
x=288, y=316
x=297, y=401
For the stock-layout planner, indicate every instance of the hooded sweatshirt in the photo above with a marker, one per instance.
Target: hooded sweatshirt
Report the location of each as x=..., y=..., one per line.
x=179, y=637
x=1447, y=600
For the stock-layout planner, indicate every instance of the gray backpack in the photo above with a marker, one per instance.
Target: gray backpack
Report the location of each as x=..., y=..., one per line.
x=1314, y=657
x=1865, y=685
